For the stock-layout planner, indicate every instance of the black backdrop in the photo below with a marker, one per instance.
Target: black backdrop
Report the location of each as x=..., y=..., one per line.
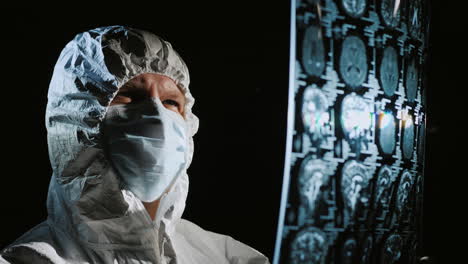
x=238, y=57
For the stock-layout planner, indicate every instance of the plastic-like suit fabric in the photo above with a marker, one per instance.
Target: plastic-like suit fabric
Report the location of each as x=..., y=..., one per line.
x=91, y=217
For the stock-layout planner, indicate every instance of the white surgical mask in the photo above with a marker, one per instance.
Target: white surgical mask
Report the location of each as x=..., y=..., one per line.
x=147, y=145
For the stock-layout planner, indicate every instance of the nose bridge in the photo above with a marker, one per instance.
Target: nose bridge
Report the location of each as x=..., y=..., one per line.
x=152, y=86
x=151, y=106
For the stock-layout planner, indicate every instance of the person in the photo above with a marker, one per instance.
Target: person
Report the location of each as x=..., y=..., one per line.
x=120, y=139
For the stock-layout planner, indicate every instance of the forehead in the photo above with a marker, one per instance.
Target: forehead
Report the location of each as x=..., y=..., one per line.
x=150, y=81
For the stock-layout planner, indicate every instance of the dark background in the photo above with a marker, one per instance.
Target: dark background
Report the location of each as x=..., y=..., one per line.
x=238, y=57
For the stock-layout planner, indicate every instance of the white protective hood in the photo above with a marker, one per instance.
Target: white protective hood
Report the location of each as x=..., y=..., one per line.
x=91, y=217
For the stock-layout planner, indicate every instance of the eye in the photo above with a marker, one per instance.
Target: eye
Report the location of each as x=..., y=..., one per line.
x=171, y=102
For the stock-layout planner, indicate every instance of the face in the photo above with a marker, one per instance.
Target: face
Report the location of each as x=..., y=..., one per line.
x=152, y=85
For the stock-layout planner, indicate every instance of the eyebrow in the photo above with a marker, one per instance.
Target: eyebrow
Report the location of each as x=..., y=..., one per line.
x=173, y=93
x=170, y=93
x=131, y=87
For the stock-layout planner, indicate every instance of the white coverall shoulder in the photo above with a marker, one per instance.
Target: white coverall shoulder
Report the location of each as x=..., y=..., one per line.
x=91, y=218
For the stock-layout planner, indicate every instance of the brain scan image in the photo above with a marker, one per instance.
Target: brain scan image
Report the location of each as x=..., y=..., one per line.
x=390, y=11
x=312, y=177
x=309, y=246
x=315, y=112
x=366, y=250
x=391, y=250
x=387, y=132
x=353, y=62
x=414, y=248
x=355, y=179
x=404, y=188
x=421, y=136
x=411, y=81
x=423, y=96
x=354, y=8
x=419, y=186
x=355, y=116
x=414, y=18
x=313, y=53
x=418, y=191
x=389, y=71
x=408, y=137
x=349, y=251
x=385, y=179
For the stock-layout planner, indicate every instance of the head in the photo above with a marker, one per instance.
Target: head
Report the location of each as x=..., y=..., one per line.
x=139, y=161
x=100, y=68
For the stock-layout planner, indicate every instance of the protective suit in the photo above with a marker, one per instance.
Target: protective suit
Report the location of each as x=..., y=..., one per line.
x=92, y=218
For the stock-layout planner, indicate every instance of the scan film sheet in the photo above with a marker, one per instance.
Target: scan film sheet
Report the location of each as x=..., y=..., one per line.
x=352, y=189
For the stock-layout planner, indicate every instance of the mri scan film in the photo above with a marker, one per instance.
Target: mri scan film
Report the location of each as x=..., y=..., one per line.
x=354, y=163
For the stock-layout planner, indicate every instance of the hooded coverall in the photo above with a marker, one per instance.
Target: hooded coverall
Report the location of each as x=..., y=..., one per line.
x=91, y=218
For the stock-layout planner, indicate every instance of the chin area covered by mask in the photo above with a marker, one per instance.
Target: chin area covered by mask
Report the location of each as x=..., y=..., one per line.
x=147, y=146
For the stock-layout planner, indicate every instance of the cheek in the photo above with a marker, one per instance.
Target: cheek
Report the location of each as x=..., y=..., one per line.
x=175, y=109
x=172, y=108
x=182, y=111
